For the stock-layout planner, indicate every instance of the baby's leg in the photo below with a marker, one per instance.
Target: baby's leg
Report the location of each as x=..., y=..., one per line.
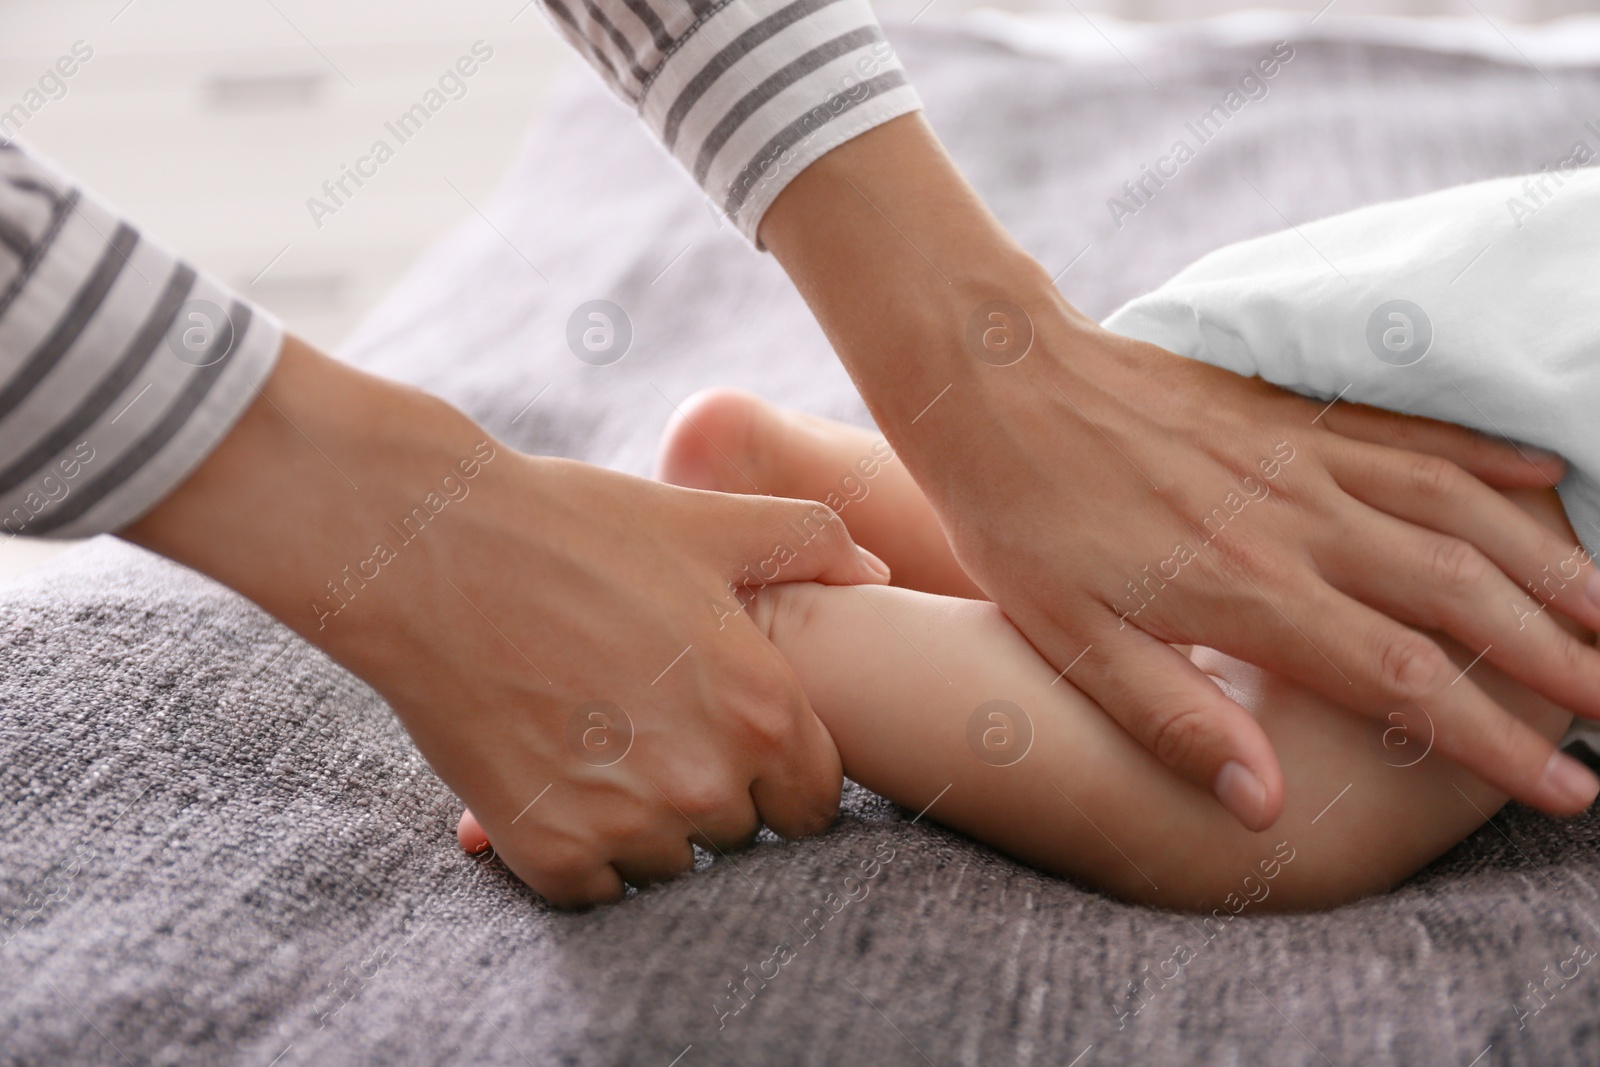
x=907, y=684
x=940, y=703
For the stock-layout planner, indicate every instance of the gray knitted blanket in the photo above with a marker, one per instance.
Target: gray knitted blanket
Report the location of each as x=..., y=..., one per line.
x=218, y=847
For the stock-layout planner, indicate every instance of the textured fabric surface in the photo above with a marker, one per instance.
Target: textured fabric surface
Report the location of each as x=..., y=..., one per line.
x=219, y=829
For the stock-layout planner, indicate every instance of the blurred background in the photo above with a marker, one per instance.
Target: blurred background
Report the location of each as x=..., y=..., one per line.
x=212, y=123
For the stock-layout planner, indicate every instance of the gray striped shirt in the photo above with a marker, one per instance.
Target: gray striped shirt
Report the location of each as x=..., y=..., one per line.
x=122, y=367
x=744, y=93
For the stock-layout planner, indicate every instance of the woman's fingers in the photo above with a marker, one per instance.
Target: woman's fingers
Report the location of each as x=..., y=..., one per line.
x=703, y=816
x=1504, y=464
x=1404, y=671
x=1440, y=496
x=1536, y=651
x=654, y=859
x=1449, y=590
x=1179, y=714
x=659, y=858
x=565, y=876
x=785, y=807
x=560, y=872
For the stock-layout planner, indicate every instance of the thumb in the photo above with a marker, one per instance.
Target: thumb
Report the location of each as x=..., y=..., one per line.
x=782, y=540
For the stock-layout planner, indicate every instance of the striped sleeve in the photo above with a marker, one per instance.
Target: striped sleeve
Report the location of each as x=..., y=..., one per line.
x=744, y=93
x=121, y=367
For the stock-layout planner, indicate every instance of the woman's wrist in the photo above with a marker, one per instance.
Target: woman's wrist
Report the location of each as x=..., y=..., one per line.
x=925, y=296
x=306, y=484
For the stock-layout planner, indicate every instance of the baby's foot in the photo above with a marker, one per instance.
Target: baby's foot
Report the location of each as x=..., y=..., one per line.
x=470, y=834
x=720, y=439
x=736, y=442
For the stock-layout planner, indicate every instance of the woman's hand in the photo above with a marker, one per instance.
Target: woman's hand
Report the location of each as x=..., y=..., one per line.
x=567, y=645
x=1203, y=508
x=1115, y=499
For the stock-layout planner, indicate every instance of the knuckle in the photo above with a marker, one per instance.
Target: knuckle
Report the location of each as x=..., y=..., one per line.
x=810, y=806
x=807, y=823
x=657, y=867
x=1572, y=657
x=563, y=862
x=1233, y=559
x=572, y=885
x=820, y=813
x=814, y=823
x=1456, y=566
x=1521, y=745
x=564, y=895
x=628, y=821
x=1499, y=747
x=1177, y=737
x=1409, y=665
x=817, y=520
x=572, y=896
x=1434, y=478
x=705, y=796
x=675, y=867
x=1403, y=431
x=768, y=730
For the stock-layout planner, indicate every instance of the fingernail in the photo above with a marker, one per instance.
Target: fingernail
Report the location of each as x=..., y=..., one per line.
x=1241, y=792
x=1541, y=455
x=1568, y=783
x=876, y=565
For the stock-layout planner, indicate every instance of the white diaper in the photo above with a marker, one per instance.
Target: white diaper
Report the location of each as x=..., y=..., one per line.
x=1479, y=305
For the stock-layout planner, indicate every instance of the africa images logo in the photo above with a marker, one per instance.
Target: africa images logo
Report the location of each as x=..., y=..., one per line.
x=1399, y=332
